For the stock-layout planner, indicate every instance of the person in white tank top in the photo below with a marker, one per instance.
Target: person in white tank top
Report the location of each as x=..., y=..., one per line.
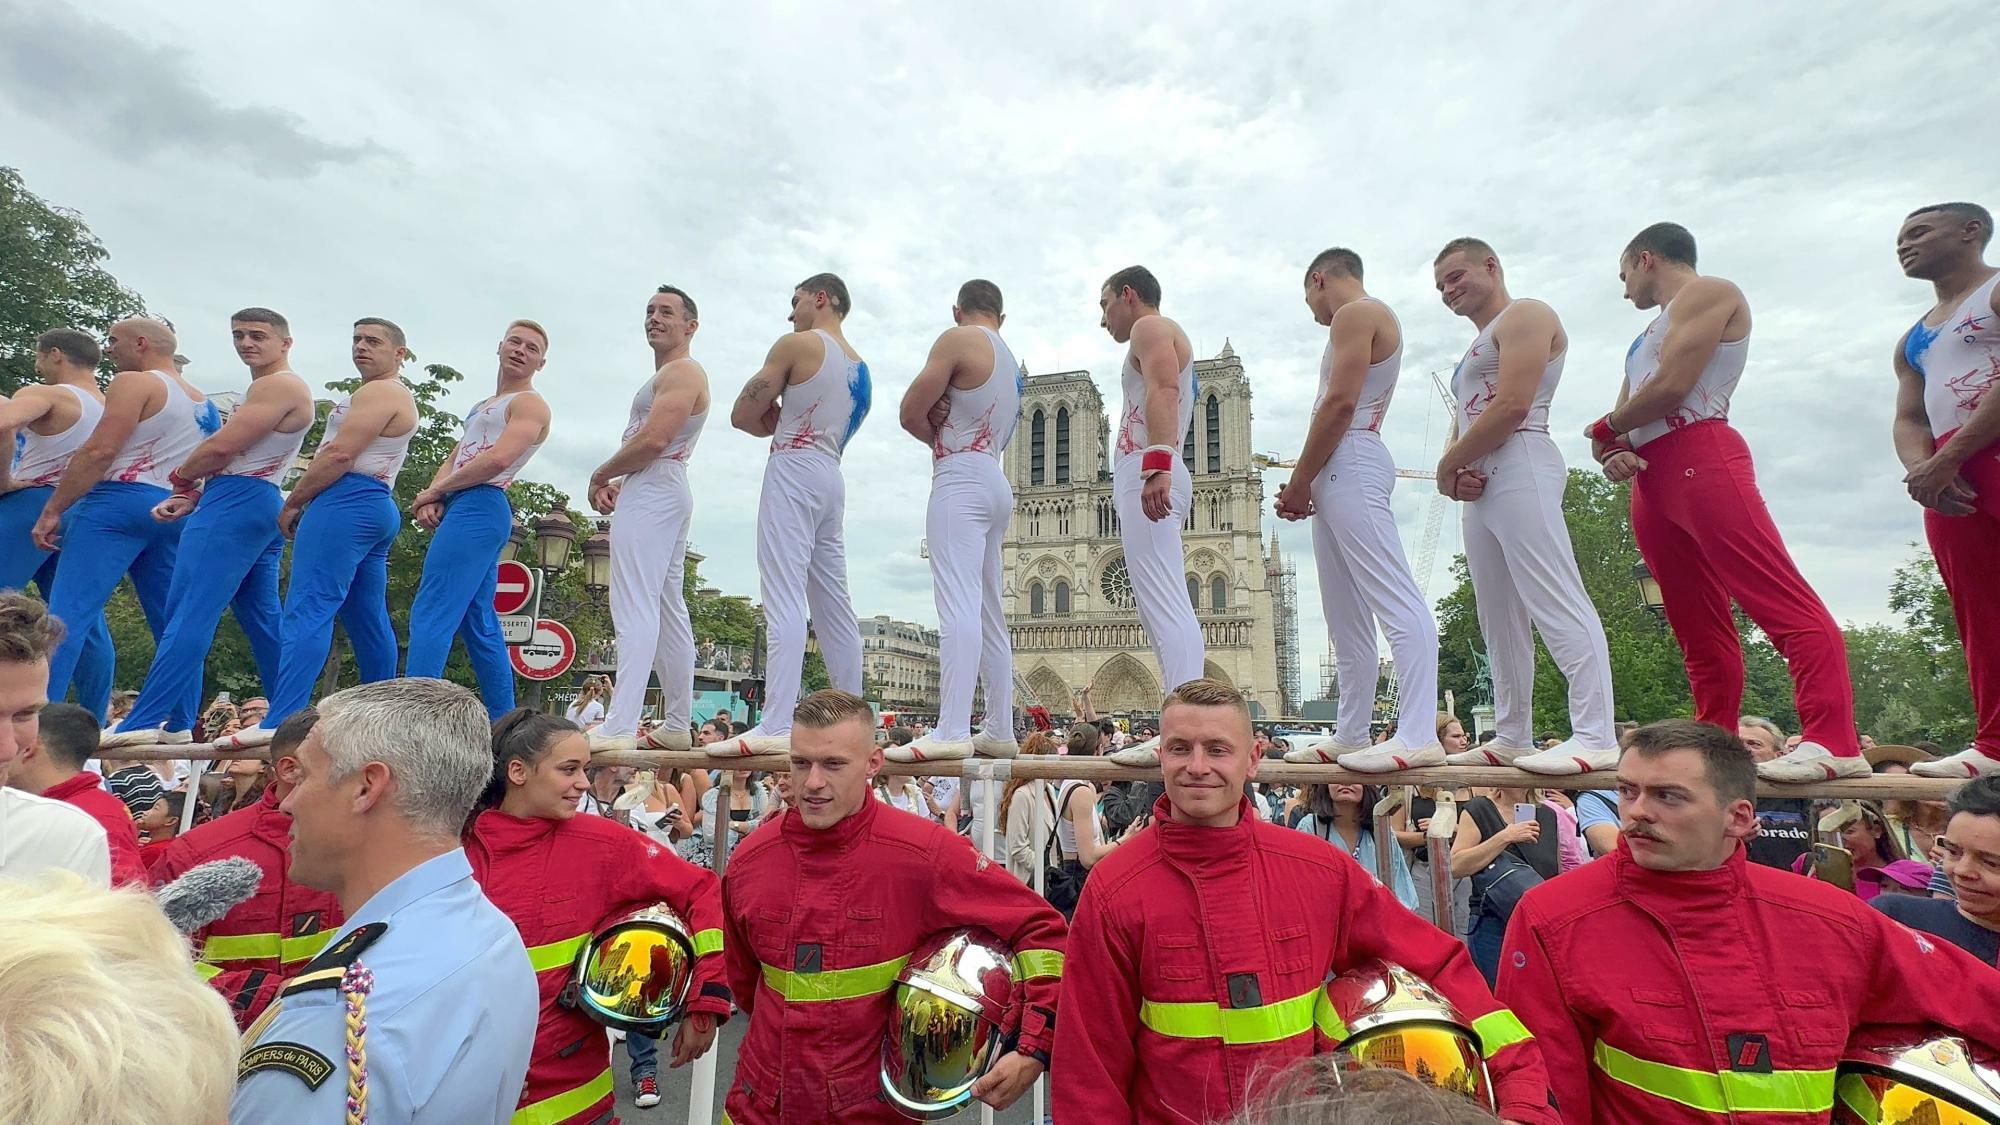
x=643, y=487
x=343, y=519
x=809, y=398
x=466, y=510
x=1506, y=470
x=1342, y=483
x=50, y=421
x=1697, y=515
x=103, y=504
x=964, y=405
x=230, y=548
x=1151, y=488
x=1948, y=438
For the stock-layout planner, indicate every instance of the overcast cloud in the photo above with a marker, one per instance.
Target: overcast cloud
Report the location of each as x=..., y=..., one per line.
x=452, y=170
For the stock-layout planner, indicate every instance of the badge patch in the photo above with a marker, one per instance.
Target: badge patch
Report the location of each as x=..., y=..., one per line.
x=308, y=1065
x=1750, y=1054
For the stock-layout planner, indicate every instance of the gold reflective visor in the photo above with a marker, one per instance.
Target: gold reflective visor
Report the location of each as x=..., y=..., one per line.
x=937, y=1046
x=1882, y=1099
x=636, y=975
x=1443, y=1058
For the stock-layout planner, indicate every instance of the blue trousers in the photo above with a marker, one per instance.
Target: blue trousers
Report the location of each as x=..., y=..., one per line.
x=108, y=534
x=340, y=567
x=645, y=1055
x=228, y=557
x=455, y=596
x=21, y=562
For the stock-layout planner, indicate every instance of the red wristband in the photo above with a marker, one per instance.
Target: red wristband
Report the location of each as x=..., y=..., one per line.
x=183, y=485
x=1601, y=430
x=1155, y=461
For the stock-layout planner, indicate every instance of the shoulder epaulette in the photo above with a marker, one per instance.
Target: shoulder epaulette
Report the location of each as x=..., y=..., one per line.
x=325, y=970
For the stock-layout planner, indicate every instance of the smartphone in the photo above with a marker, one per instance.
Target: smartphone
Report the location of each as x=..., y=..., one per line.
x=1524, y=813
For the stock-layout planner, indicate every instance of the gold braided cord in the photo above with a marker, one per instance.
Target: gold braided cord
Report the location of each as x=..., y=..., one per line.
x=355, y=985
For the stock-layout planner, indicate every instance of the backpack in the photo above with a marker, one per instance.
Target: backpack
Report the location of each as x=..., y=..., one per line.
x=1062, y=879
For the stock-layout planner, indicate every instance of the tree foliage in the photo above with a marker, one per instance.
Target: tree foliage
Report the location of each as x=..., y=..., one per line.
x=1648, y=679
x=51, y=276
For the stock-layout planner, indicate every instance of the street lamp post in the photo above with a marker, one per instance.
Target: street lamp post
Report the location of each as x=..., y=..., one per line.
x=555, y=537
x=1649, y=588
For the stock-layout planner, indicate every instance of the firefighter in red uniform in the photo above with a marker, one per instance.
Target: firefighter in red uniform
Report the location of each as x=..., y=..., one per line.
x=1673, y=981
x=1201, y=944
x=248, y=953
x=560, y=877
x=53, y=767
x=824, y=908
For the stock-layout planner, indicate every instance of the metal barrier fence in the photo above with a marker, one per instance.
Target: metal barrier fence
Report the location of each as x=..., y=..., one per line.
x=701, y=1094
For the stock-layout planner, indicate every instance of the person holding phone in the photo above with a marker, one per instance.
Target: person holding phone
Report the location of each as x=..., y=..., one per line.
x=1501, y=853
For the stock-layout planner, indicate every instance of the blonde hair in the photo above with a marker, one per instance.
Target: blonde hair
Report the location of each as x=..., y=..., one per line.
x=106, y=1020
x=537, y=329
x=828, y=706
x=1206, y=693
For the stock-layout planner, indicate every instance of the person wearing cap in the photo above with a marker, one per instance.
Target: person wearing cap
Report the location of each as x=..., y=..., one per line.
x=1971, y=845
x=824, y=908
x=1674, y=981
x=562, y=878
x=1895, y=878
x=421, y=1009
x=247, y=953
x=1201, y=945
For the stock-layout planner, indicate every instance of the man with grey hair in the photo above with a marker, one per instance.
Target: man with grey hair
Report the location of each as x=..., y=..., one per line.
x=424, y=1000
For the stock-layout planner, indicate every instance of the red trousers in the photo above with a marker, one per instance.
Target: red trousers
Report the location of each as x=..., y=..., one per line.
x=1706, y=535
x=1967, y=550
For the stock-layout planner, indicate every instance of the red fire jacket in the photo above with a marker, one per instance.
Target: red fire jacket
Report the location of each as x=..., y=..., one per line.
x=1722, y=995
x=560, y=881
x=1196, y=957
x=822, y=921
x=249, y=952
x=86, y=791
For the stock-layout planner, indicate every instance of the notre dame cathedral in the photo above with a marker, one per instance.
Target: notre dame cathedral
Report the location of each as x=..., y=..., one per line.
x=1068, y=598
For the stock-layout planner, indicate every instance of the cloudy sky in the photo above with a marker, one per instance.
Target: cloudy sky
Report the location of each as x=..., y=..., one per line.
x=453, y=166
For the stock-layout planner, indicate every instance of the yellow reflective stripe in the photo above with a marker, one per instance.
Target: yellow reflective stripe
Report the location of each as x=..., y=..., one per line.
x=567, y=1104
x=1033, y=963
x=707, y=942
x=304, y=948
x=556, y=954
x=1499, y=1029
x=240, y=947
x=1327, y=1020
x=1855, y=1095
x=1784, y=1091
x=207, y=971
x=1207, y=1020
x=834, y=984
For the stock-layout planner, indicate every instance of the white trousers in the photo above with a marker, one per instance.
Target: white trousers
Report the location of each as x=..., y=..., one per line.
x=970, y=505
x=801, y=567
x=1524, y=578
x=648, y=607
x=1364, y=579
x=1158, y=569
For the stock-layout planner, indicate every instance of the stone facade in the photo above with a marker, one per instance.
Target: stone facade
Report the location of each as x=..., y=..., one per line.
x=1068, y=599
x=901, y=658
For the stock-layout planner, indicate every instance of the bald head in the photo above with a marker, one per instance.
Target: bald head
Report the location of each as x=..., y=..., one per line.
x=142, y=343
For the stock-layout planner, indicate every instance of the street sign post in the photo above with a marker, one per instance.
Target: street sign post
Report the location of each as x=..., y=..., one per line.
x=517, y=598
x=547, y=654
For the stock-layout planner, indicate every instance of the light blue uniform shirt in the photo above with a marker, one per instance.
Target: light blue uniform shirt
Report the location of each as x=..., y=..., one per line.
x=1400, y=883
x=451, y=1018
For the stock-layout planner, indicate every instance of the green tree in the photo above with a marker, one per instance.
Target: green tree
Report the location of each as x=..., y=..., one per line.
x=1648, y=679
x=1910, y=683
x=51, y=276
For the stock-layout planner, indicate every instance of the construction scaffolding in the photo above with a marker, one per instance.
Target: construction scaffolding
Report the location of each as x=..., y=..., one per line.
x=1284, y=586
